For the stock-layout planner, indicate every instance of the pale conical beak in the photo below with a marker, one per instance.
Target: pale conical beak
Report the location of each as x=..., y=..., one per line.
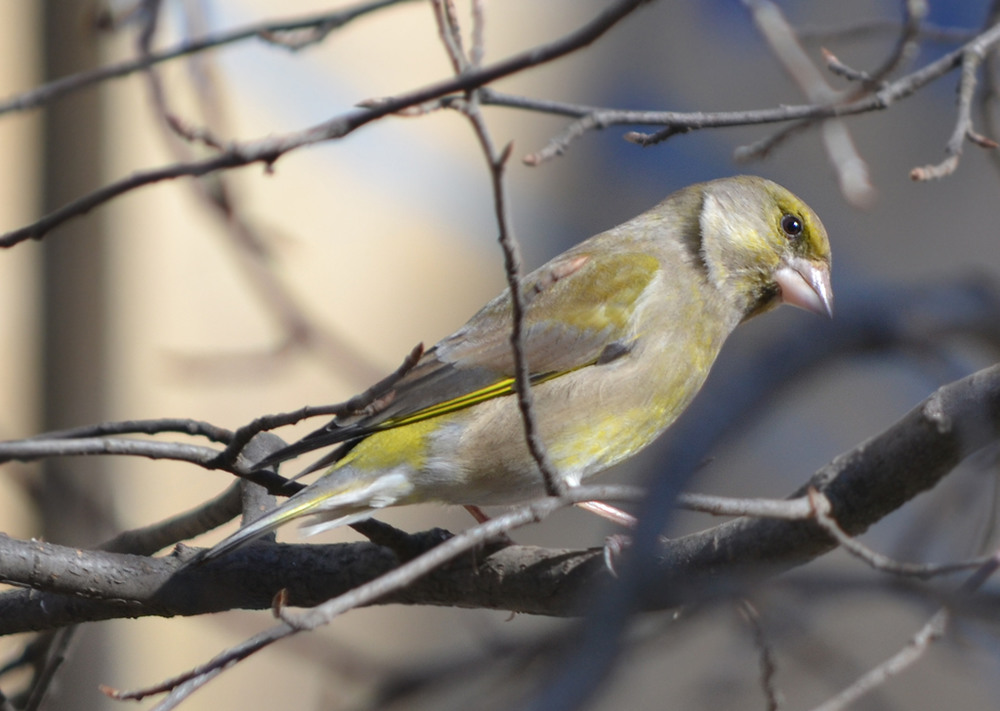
x=806, y=284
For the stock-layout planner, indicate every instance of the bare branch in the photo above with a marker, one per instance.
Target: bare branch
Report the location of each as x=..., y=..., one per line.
x=450, y=35
x=324, y=22
x=768, y=664
x=681, y=122
x=963, y=126
x=181, y=425
x=862, y=485
x=914, y=12
x=912, y=652
x=27, y=450
x=497, y=162
x=369, y=402
x=798, y=509
x=41, y=447
x=879, y=561
x=851, y=169
x=866, y=29
x=554, y=485
x=267, y=151
x=390, y=582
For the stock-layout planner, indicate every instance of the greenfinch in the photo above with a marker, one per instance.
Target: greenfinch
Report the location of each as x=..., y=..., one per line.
x=619, y=334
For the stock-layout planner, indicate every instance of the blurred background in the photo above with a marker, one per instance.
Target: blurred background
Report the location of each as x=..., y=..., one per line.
x=160, y=304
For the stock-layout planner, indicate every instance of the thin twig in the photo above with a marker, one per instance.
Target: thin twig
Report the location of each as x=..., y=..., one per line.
x=56, y=651
x=449, y=34
x=906, y=657
x=797, y=509
x=880, y=26
x=963, y=125
x=914, y=12
x=182, y=425
x=512, y=266
x=27, y=450
x=879, y=561
x=835, y=65
x=914, y=650
x=497, y=162
x=591, y=117
x=365, y=402
x=851, y=169
x=980, y=45
x=765, y=653
x=477, y=52
x=61, y=87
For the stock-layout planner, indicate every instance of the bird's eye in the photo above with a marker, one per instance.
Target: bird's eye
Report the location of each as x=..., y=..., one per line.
x=791, y=226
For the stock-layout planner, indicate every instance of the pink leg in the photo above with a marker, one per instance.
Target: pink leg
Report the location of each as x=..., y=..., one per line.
x=477, y=513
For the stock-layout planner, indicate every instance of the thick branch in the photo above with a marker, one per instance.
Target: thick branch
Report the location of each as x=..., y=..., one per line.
x=863, y=486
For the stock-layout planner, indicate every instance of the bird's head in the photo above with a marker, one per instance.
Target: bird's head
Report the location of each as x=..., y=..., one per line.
x=763, y=246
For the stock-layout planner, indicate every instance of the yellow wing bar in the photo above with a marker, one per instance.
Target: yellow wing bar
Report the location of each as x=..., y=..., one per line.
x=497, y=389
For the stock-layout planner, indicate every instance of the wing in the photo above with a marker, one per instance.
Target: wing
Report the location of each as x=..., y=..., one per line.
x=578, y=312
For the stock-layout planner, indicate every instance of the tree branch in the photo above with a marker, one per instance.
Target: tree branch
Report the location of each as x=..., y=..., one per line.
x=863, y=485
x=267, y=151
x=64, y=86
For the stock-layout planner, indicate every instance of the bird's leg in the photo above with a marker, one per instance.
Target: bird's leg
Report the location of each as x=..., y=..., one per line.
x=502, y=540
x=616, y=543
x=477, y=513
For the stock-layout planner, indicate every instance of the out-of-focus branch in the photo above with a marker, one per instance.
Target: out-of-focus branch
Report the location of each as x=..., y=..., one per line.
x=325, y=22
x=851, y=169
x=866, y=29
x=249, y=245
x=916, y=649
x=914, y=12
x=267, y=151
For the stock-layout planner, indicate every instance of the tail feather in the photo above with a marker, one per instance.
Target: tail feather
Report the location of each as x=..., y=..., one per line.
x=262, y=526
x=327, y=509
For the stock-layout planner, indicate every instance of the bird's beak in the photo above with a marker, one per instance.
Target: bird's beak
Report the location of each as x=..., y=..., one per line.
x=806, y=284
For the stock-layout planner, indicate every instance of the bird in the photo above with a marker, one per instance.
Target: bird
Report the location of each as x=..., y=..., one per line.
x=619, y=333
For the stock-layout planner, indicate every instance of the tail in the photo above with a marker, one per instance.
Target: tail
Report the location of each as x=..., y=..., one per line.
x=329, y=507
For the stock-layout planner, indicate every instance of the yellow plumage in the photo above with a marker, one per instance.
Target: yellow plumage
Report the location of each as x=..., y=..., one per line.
x=619, y=332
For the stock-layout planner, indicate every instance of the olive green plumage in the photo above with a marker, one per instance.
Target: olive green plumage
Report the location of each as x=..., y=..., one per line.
x=619, y=332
